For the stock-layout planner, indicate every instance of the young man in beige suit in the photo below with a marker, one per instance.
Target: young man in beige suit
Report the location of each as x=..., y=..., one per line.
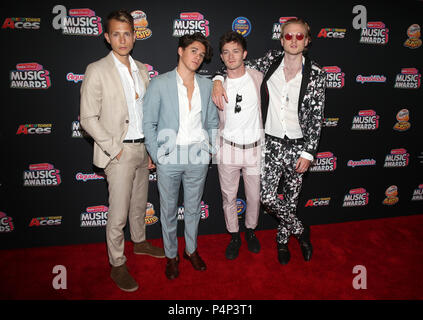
x=111, y=112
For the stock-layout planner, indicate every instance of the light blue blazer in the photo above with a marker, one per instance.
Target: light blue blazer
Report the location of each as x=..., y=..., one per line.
x=161, y=115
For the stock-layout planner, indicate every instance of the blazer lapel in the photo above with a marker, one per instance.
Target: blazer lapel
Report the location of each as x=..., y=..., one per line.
x=173, y=93
x=115, y=78
x=204, y=102
x=305, y=81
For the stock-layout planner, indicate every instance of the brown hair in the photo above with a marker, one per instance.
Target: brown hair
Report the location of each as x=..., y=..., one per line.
x=232, y=36
x=187, y=39
x=122, y=16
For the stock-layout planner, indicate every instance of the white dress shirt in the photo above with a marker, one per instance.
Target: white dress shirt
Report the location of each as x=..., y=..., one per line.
x=242, y=127
x=282, y=117
x=190, y=126
x=132, y=86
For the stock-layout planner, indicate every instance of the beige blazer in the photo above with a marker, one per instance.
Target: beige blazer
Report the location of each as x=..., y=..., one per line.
x=103, y=108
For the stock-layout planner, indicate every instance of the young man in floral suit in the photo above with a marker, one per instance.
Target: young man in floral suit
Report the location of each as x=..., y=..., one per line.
x=292, y=102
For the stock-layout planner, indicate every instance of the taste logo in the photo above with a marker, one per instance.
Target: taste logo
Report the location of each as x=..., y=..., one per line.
x=325, y=162
x=335, y=78
x=141, y=24
x=41, y=175
x=375, y=33
x=6, y=223
x=391, y=196
x=79, y=22
x=397, y=158
x=190, y=23
x=413, y=33
x=356, y=198
x=150, y=217
x=276, y=30
x=365, y=120
x=30, y=76
x=241, y=206
x=409, y=78
x=402, y=125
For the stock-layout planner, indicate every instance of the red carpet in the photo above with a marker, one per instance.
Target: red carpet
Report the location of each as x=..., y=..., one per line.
x=390, y=249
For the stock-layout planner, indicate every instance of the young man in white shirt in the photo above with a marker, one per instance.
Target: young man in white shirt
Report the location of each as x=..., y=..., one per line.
x=292, y=102
x=111, y=112
x=240, y=138
x=180, y=124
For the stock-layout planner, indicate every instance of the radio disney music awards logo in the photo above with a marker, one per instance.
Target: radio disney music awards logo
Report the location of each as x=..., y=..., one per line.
x=318, y=202
x=365, y=120
x=361, y=163
x=21, y=23
x=78, y=131
x=276, y=30
x=413, y=33
x=397, y=158
x=241, y=206
x=402, y=117
x=151, y=72
x=41, y=175
x=150, y=217
x=30, y=76
x=141, y=24
x=409, y=78
x=204, y=211
x=242, y=25
x=330, y=122
x=31, y=129
x=391, y=196
x=335, y=78
x=375, y=33
x=372, y=78
x=190, y=23
x=335, y=33
x=95, y=216
x=46, y=221
x=324, y=162
x=417, y=194
x=6, y=223
x=79, y=22
x=356, y=198
x=75, y=78
x=89, y=176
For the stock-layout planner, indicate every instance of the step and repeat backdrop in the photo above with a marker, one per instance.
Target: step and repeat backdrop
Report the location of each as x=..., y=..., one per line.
x=370, y=158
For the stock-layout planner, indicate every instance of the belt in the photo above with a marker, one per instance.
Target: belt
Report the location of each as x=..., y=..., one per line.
x=140, y=140
x=285, y=139
x=242, y=146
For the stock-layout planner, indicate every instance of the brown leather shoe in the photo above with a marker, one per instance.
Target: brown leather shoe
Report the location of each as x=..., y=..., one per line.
x=147, y=248
x=123, y=279
x=196, y=260
x=172, y=271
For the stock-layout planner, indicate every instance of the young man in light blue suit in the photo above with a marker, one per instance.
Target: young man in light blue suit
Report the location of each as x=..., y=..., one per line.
x=180, y=125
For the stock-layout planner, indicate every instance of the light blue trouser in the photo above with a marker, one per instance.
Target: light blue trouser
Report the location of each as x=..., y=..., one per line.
x=192, y=171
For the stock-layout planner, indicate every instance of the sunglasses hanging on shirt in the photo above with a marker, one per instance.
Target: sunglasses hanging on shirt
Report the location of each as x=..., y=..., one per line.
x=237, y=100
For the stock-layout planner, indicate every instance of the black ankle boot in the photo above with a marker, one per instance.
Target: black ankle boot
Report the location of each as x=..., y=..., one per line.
x=252, y=242
x=232, y=249
x=283, y=253
x=305, y=244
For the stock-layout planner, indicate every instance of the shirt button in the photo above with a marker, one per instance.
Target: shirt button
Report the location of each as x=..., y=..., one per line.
x=127, y=121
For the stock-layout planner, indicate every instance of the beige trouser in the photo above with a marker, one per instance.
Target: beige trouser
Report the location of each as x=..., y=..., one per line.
x=127, y=179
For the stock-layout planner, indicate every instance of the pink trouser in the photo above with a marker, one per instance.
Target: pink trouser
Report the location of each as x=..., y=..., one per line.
x=231, y=161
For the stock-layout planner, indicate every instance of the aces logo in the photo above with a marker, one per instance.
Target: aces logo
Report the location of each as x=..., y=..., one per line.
x=40, y=128
x=356, y=198
x=409, y=78
x=190, y=23
x=30, y=76
x=79, y=22
x=22, y=23
x=365, y=120
x=375, y=33
x=332, y=33
x=402, y=125
x=391, y=196
x=325, y=162
x=318, y=202
x=397, y=158
x=334, y=77
x=41, y=175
